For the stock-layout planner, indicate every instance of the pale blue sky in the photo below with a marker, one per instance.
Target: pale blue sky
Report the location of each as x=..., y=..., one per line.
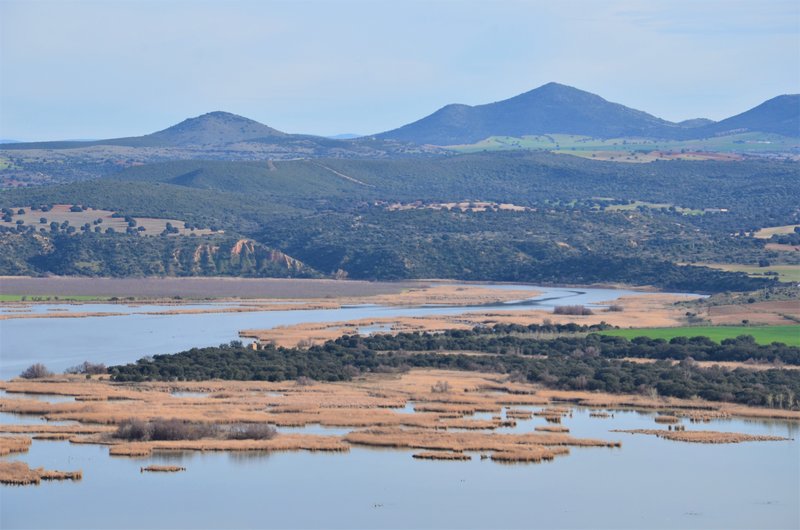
x=98, y=69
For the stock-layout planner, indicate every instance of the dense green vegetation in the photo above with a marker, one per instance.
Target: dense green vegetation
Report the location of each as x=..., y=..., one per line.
x=762, y=334
x=334, y=215
x=571, y=360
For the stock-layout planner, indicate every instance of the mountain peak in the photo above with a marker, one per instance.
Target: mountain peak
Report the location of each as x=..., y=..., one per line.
x=214, y=128
x=550, y=108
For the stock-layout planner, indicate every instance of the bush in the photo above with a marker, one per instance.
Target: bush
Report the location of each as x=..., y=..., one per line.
x=160, y=429
x=252, y=431
x=175, y=429
x=572, y=310
x=87, y=368
x=133, y=430
x=440, y=387
x=304, y=381
x=615, y=308
x=36, y=371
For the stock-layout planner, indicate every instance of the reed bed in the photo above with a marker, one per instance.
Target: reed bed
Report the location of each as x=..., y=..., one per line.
x=706, y=437
x=55, y=429
x=161, y=469
x=53, y=436
x=466, y=441
x=462, y=410
x=599, y=414
x=441, y=455
x=519, y=414
x=528, y=455
x=664, y=418
x=20, y=474
x=285, y=442
x=9, y=445
x=551, y=428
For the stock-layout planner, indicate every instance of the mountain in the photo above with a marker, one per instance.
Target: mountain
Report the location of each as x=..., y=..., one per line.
x=559, y=109
x=214, y=128
x=213, y=136
x=779, y=115
x=696, y=122
x=551, y=108
x=211, y=129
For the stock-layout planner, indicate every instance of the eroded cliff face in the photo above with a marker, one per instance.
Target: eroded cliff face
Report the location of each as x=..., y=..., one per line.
x=108, y=255
x=243, y=256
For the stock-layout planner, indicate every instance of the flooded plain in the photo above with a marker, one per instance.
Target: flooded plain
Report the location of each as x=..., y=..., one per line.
x=647, y=483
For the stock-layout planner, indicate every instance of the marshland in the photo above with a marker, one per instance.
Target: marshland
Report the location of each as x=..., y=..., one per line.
x=482, y=444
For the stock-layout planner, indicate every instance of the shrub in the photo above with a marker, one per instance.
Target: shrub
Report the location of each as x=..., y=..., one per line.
x=133, y=430
x=440, y=387
x=87, y=368
x=175, y=429
x=572, y=310
x=161, y=429
x=36, y=371
x=615, y=308
x=252, y=431
x=304, y=381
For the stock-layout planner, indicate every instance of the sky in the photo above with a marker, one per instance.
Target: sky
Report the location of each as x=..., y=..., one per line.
x=102, y=69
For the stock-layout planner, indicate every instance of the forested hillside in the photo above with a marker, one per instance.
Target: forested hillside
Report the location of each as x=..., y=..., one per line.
x=491, y=216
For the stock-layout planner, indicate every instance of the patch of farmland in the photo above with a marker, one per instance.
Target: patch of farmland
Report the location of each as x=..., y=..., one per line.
x=95, y=218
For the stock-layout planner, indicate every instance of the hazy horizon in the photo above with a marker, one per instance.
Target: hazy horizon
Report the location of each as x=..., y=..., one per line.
x=70, y=71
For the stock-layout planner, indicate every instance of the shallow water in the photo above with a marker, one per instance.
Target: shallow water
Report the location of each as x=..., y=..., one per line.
x=63, y=342
x=648, y=483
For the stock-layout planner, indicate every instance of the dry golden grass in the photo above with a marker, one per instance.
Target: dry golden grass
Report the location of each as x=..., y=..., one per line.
x=283, y=442
x=645, y=310
x=162, y=469
x=664, y=418
x=778, y=312
x=20, y=474
x=551, y=428
x=15, y=444
x=441, y=421
x=466, y=441
x=706, y=437
x=441, y=455
x=528, y=454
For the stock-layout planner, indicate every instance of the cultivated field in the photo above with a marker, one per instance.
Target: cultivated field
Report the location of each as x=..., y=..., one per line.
x=766, y=233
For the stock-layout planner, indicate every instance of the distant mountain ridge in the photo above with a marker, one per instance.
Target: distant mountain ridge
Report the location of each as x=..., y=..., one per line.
x=550, y=109
x=559, y=109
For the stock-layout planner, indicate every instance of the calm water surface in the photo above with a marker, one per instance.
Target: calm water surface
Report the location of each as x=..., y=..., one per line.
x=63, y=342
x=648, y=483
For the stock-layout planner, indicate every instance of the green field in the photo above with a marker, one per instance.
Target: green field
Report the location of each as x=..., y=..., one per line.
x=763, y=334
x=786, y=273
x=567, y=143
